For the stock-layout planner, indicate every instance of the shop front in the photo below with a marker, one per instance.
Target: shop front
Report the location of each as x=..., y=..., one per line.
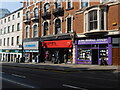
x=94, y=51
x=58, y=51
x=11, y=55
x=31, y=51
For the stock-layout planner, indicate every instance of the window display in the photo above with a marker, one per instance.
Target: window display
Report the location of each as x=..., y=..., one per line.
x=84, y=54
x=104, y=54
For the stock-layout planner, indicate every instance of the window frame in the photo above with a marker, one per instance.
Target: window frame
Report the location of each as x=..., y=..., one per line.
x=18, y=40
x=86, y=18
x=60, y=18
x=86, y=6
x=69, y=16
x=33, y=30
x=70, y=3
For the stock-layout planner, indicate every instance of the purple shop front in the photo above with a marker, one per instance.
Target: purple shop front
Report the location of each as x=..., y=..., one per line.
x=94, y=51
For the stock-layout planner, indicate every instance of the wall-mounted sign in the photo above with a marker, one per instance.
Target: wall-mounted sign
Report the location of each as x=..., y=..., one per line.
x=30, y=45
x=94, y=41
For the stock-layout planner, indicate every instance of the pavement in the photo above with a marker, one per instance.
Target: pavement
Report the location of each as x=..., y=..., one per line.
x=63, y=67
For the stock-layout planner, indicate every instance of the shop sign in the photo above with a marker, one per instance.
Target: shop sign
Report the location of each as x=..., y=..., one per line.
x=93, y=41
x=30, y=50
x=57, y=44
x=30, y=45
x=7, y=50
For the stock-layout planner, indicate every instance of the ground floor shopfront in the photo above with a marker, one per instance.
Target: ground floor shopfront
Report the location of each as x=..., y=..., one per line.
x=94, y=51
x=58, y=51
x=10, y=55
x=31, y=51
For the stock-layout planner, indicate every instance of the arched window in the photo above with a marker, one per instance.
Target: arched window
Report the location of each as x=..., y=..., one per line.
x=57, y=26
x=27, y=15
x=35, y=31
x=46, y=7
x=35, y=12
x=27, y=32
x=45, y=28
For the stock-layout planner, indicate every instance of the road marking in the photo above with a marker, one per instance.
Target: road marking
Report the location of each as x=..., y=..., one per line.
x=25, y=85
x=73, y=87
x=19, y=76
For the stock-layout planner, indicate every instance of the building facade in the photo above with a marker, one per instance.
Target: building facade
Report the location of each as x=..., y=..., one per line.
x=11, y=36
x=98, y=38
x=78, y=32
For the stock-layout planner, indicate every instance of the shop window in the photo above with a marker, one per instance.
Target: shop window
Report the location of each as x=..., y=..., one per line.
x=45, y=28
x=46, y=7
x=84, y=46
x=35, y=31
x=84, y=54
x=57, y=26
x=103, y=54
x=103, y=45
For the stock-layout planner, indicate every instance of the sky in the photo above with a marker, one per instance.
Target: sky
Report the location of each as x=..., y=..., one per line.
x=11, y=5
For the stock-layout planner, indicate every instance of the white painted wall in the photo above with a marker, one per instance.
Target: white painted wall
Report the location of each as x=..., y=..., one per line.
x=12, y=34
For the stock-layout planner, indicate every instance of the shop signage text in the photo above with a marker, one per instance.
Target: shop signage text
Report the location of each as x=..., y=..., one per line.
x=57, y=44
x=93, y=41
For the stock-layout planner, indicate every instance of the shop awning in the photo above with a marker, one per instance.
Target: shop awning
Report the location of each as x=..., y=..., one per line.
x=57, y=44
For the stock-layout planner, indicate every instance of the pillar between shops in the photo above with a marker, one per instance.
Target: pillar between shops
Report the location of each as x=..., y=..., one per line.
x=74, y=54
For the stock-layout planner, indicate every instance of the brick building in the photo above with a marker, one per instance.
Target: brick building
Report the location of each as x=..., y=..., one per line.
x=71, y=31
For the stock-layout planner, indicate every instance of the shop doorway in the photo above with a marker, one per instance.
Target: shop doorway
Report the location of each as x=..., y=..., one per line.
x=94, y=56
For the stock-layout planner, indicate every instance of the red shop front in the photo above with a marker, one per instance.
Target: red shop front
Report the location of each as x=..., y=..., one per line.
x=59, y=51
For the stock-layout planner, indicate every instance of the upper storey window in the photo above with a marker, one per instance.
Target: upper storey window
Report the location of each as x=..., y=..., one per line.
x=46, y=7
x=57, y=26
x=95, y=20
x=104, y=1
x=36, y=12
x=27, y=2
x=27, y=15
x=69, y=4
x=84, y=3
x=58, y=3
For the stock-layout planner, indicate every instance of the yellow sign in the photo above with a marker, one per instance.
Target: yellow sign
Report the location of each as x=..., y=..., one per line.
x=7, y=50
